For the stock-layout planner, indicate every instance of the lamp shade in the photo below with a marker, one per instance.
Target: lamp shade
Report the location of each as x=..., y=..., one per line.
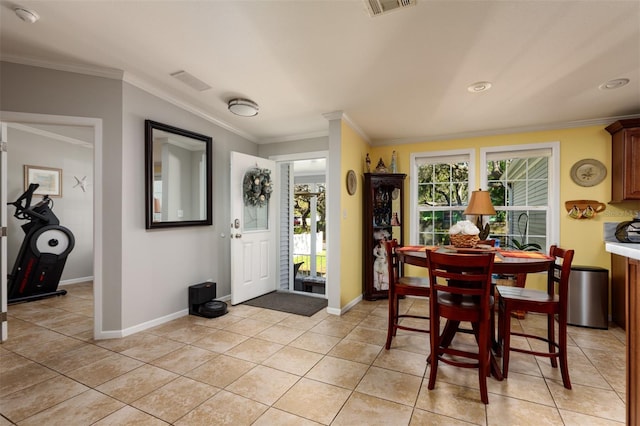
x=480, y=204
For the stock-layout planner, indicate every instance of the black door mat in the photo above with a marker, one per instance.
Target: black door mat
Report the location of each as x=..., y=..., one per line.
x=289, y=302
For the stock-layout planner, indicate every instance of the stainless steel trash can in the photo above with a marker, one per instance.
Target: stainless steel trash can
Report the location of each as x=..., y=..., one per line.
x=588, y=303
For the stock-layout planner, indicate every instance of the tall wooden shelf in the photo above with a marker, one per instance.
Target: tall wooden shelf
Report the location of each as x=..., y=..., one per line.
x=383, y=219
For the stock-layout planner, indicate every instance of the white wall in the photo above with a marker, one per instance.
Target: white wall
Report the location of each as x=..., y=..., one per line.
x=145, y=273
x=294, y=147
x=159, y=265
x=37, y=90
x=74, y=209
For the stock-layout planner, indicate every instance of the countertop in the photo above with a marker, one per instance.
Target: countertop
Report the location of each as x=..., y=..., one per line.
x=631, y=251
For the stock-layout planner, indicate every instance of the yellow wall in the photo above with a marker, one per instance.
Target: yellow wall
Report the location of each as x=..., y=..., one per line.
x=585, y=236
x=354, y=151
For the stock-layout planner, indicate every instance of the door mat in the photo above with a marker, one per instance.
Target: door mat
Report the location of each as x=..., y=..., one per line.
x=289, y=302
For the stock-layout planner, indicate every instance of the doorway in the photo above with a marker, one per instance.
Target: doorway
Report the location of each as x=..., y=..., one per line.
x=302, y=227
x=36, y=139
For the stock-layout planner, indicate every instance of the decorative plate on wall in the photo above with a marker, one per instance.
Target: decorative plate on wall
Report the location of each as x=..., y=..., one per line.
x=352, y=182
x=588, y=172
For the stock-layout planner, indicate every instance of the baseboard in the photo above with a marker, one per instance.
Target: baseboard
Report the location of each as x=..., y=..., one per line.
x=346, y=307
x=115, y=334
x=75, y=281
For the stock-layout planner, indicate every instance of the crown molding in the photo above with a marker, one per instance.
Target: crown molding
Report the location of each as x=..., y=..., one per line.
x=141, y=84
x=95, y=71
x=298, y=137
x=507, y=130
x=127, y=77
x=340, y=115
x=51, y=135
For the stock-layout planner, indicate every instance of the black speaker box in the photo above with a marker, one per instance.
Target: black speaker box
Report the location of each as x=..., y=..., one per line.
x=202, y=303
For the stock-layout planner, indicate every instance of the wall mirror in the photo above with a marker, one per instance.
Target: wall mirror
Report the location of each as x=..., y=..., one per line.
x=178, y=177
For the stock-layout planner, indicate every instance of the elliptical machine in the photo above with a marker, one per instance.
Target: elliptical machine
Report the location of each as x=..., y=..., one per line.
x=46, y=245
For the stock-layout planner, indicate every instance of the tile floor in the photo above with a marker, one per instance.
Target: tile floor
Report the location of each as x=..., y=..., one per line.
x=260, y=367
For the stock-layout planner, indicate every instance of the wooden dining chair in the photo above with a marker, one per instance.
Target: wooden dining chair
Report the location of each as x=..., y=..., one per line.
x=401, y=285
x=552, y=303
x=460, y=291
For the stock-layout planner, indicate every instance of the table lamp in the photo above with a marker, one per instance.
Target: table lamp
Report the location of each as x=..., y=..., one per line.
x=480, y=205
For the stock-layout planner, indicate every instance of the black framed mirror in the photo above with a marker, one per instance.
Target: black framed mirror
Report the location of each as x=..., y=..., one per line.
x=178, y=177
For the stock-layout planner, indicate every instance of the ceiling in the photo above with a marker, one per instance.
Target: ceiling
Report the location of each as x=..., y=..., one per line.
x=398, y=77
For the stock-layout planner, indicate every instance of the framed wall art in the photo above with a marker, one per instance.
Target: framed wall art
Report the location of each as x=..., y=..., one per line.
x=588, y=172
x=49, y=180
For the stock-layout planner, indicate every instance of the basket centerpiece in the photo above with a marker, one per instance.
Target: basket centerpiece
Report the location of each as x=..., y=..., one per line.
x=464, y=234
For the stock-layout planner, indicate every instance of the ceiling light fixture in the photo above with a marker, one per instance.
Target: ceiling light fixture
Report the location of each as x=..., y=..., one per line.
x=243, y=107
x=26, y=15
x=614, y=84
x=481, y=86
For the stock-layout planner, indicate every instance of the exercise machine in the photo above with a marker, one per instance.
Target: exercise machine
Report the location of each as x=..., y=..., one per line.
x=43, y=254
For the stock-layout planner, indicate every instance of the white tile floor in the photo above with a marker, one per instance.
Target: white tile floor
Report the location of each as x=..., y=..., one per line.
x=261, y=367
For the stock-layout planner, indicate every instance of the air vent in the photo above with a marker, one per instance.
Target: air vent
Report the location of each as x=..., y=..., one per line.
x=191, y=81
x=379, y=7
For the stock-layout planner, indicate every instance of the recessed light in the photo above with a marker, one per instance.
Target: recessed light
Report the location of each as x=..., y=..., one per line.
x=614, y=84
x=481, y=86
x=26, y=15
x=243, y=107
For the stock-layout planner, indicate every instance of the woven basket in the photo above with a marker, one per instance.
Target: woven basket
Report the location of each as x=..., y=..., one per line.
x=462, y=240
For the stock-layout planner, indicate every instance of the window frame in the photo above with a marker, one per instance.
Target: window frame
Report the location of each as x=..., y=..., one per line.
x=413, y=185
x=553, y=222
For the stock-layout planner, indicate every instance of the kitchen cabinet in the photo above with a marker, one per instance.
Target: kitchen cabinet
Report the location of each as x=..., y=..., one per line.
x=627, y=257
x=383, y=220
x=619, y=271
x=625, y=160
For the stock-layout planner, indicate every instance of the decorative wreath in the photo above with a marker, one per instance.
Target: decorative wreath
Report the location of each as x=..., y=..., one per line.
x=257, y=187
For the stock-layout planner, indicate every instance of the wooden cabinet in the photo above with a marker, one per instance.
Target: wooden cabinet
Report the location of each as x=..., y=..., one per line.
x=383, y=219
x=619, y=271
x=633, y=342
x=625, y=293
x=625, y=160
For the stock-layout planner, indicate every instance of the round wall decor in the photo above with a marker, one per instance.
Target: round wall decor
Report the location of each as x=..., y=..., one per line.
x=352, y=182
x=588, y=172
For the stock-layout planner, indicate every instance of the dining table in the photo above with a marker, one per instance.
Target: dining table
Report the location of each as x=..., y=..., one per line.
x=518, y=263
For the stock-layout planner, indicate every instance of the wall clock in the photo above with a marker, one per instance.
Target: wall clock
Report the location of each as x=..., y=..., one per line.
x=352, y=182
x=588, y=172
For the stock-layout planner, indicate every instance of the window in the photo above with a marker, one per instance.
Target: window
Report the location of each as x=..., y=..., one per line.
x=519, y=180
x=440, y=192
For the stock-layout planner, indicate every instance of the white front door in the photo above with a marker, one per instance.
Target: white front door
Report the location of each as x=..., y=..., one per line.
x=3, y=235
x=252, y=233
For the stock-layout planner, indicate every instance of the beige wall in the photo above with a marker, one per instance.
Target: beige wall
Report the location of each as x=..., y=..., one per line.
x=354, y=150
x=584, y=236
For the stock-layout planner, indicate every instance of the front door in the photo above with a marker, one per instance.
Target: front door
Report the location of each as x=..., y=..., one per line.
x=252, y=233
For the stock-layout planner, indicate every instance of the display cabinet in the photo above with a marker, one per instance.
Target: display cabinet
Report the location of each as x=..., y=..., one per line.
x=383, y=220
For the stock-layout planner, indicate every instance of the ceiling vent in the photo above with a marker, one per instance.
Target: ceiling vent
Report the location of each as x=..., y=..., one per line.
x=379, y=7
x=191, y=81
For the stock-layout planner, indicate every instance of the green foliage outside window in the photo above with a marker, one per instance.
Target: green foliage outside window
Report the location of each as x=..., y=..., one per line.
x=302, y=208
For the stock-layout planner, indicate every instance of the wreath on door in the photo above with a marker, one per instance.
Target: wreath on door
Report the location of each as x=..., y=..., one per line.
x=257, y=187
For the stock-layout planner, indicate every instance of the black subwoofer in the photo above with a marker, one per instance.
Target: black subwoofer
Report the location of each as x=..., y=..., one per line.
x=202, y=303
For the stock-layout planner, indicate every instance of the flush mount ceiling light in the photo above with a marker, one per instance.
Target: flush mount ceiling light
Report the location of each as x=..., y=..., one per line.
x=26, y=15
x=614, y=84
x=243, y=107
x=481, y=86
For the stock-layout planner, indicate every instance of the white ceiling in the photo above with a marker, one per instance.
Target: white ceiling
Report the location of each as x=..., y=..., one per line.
x=398, y=77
